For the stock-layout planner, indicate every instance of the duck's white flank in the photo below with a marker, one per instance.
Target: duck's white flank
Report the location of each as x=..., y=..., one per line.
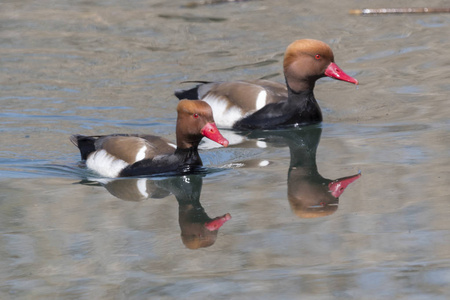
x=261, y=100
x=140, y=155
x=105, y=164
x=223, y=116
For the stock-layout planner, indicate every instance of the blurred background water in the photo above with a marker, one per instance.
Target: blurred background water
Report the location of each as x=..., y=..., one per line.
x=100, y=67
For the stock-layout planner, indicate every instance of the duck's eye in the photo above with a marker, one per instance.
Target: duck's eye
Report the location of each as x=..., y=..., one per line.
x=195, y=115
x=317, y=56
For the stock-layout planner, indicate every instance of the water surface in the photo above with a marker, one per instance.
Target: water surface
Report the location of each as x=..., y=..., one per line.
x=99, y=67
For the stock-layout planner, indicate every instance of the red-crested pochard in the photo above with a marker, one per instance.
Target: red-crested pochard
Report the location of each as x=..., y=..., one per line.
x=263, y=104
x=122, y=155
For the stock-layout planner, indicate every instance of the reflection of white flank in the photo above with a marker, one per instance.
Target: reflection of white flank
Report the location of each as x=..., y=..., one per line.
x=142, y=187
x=141, y=153
x=264, y=163
x=105, y=164
x=261, y=144
x=261, y=100
x=223, y=115
x=103, y=181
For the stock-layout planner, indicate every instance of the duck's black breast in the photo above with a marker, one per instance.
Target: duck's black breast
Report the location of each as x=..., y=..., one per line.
x=300, y=108
x=182, y=161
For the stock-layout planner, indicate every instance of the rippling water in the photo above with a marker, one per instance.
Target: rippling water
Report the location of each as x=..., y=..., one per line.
x=98, y=67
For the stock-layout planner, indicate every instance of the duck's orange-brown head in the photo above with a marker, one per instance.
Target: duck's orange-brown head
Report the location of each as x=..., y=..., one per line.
x=195, y=120
x=307, y=60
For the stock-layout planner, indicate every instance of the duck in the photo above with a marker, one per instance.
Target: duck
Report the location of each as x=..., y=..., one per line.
x=264, y=104
x=125, y=155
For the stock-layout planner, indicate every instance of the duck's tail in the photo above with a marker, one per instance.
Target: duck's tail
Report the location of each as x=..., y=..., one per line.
x=192, y=93
x=86, y=144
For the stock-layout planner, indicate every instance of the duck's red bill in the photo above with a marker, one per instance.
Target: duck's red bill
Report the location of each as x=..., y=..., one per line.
x=335, y=72
x=216, y=223
x=211, y=132
x=338, y=186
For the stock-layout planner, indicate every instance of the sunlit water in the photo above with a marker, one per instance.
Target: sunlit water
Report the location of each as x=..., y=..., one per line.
x=99, y=67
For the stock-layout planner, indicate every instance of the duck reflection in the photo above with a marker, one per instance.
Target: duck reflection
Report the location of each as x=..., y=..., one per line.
x=198, y=230
x=310, y=194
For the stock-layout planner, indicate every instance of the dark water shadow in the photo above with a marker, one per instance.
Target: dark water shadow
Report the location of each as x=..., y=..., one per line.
x=192, y=18
x=195, y=4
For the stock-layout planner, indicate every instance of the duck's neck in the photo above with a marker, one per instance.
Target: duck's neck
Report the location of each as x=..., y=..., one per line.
x=303, y=101
x=185, y=140
x=300, y=96
x=188, y=157
x=298, y=85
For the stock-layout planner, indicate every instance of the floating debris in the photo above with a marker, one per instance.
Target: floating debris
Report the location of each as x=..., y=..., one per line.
x=410, y=10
